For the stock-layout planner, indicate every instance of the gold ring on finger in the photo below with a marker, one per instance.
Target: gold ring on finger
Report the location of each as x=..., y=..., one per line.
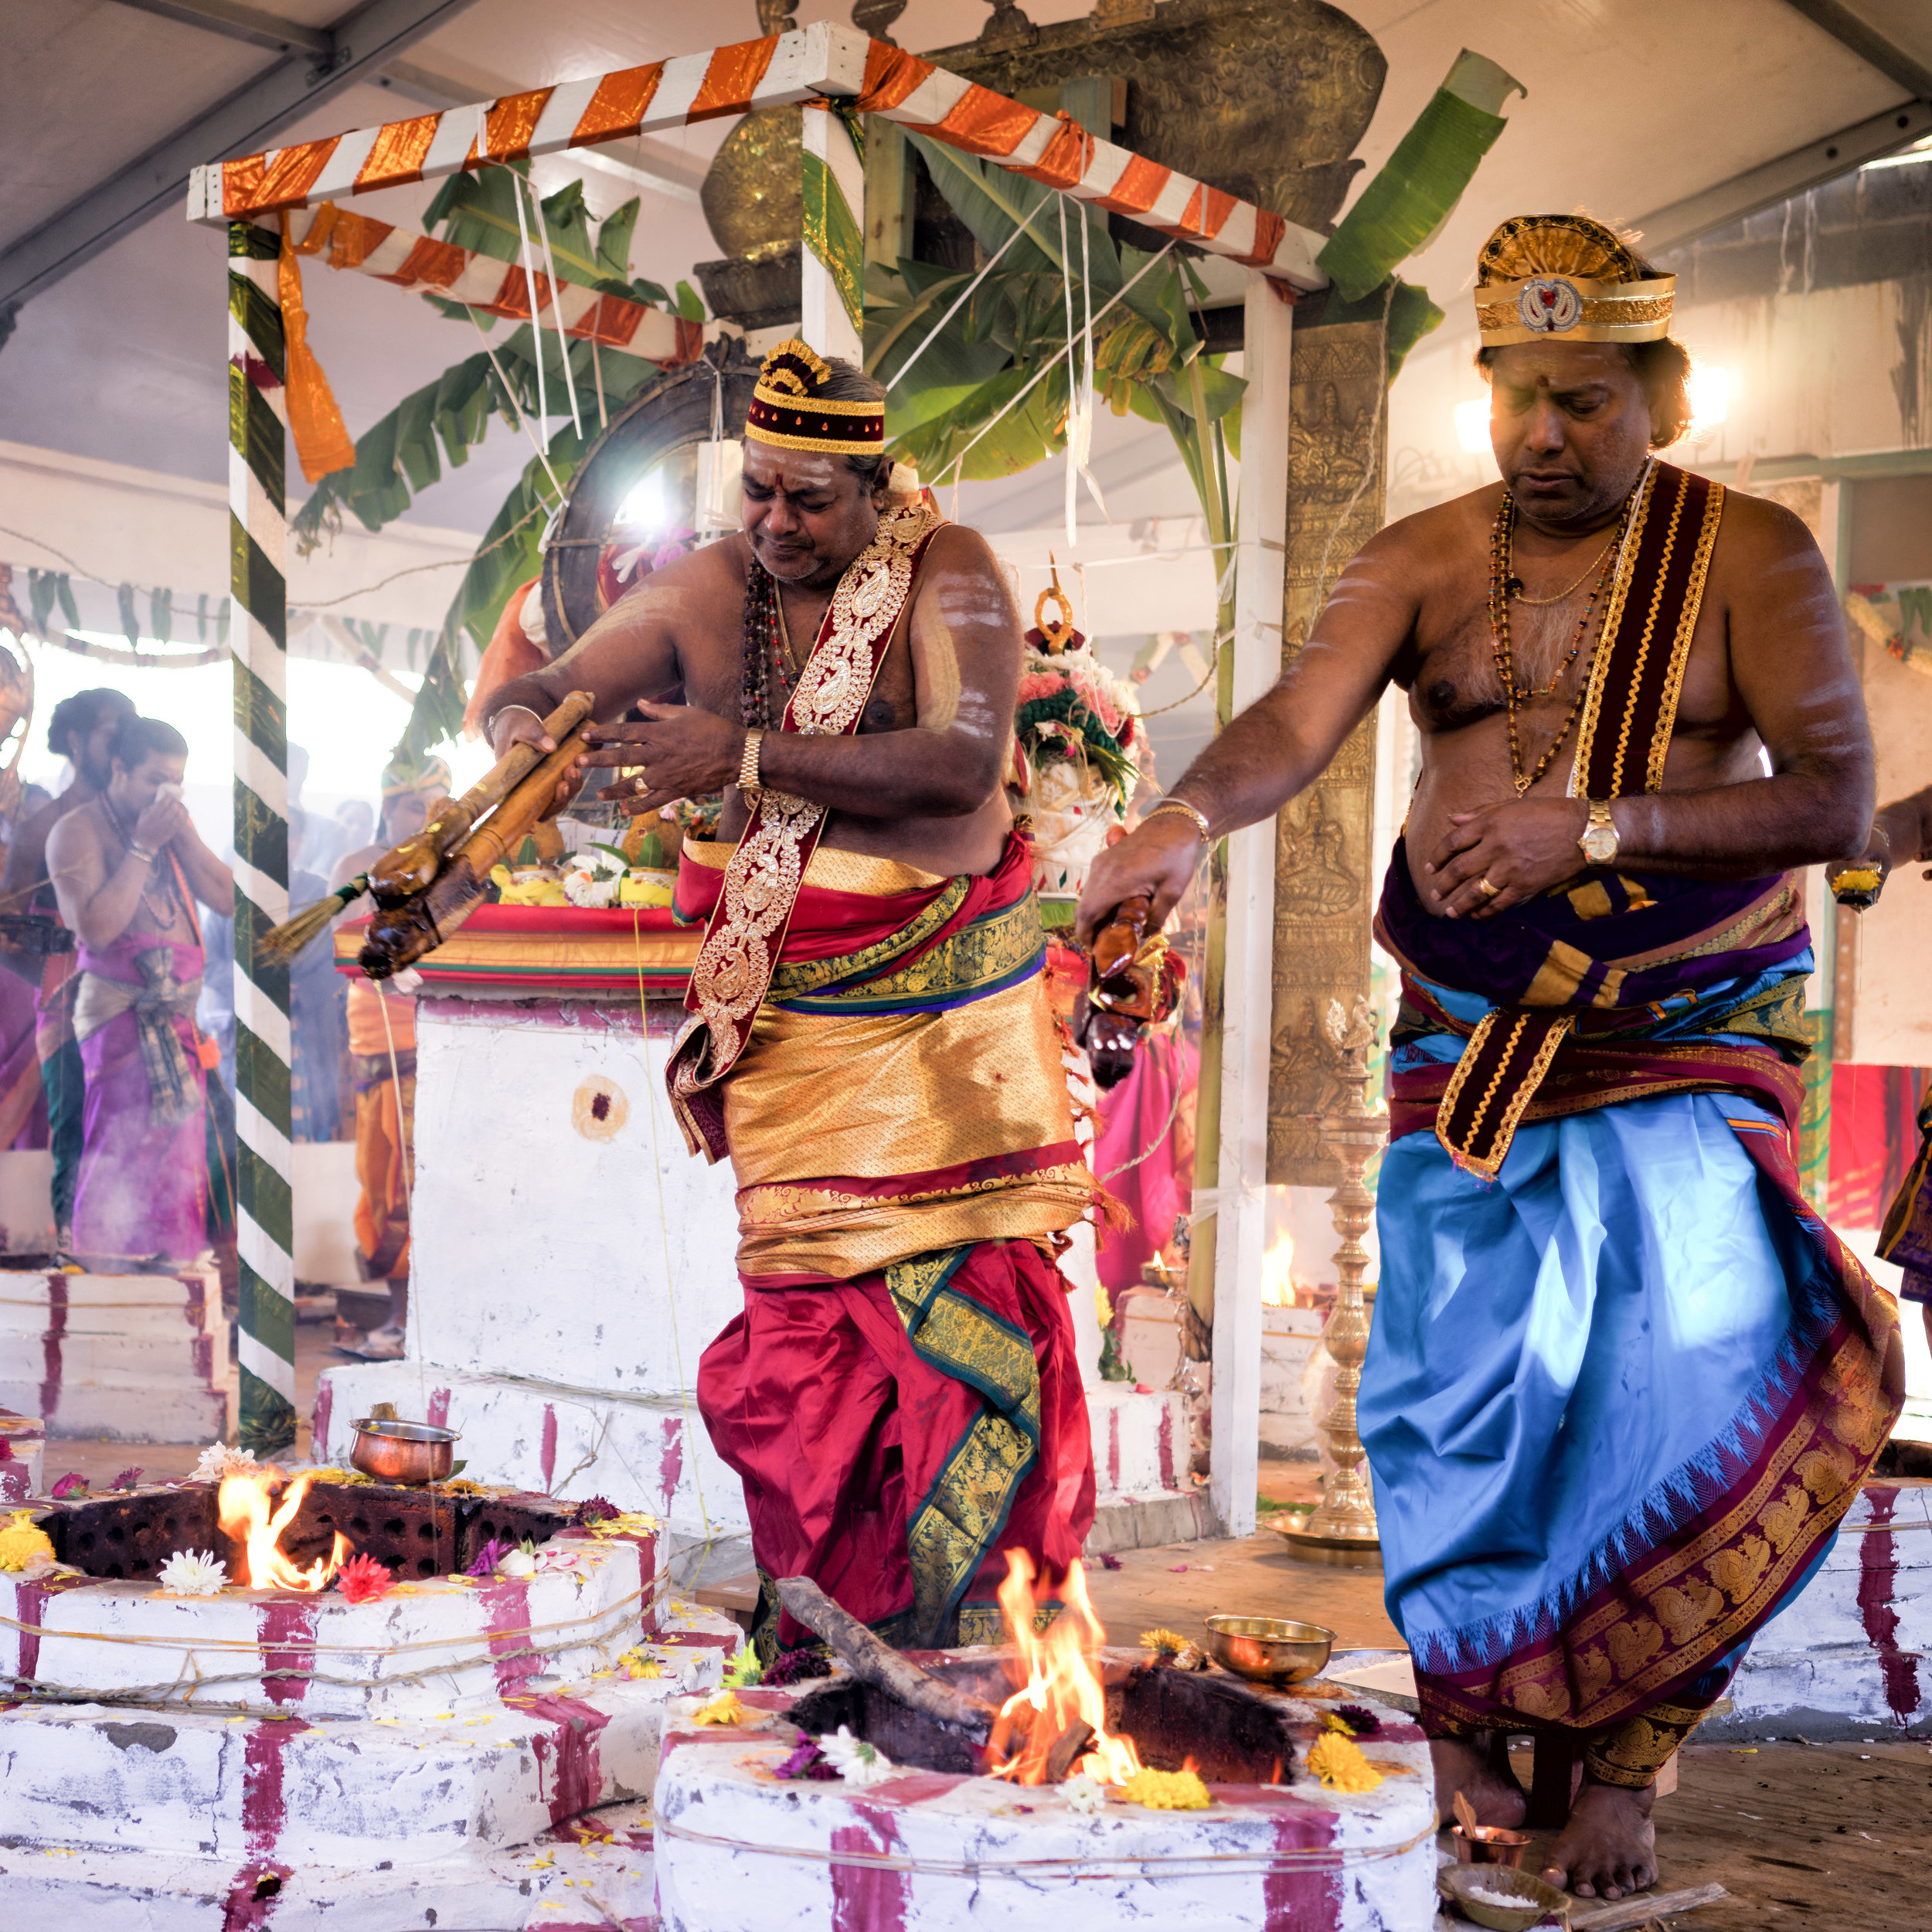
x=1489, y=890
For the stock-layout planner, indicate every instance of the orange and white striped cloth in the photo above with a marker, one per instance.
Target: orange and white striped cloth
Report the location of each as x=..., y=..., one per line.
x=823, y=62
x=342, y=239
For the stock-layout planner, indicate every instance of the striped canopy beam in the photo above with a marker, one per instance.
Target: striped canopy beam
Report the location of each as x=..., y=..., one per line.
x=338, y=238
x=258, y=531
x=823, y=62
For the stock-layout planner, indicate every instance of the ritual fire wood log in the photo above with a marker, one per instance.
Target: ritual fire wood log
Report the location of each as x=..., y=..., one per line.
x=412, y=866
x=1069, y=1748
x=399, y=937
x=878, y=1664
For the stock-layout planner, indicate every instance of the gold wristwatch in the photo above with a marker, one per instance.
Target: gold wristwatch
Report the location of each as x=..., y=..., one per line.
x=1598, y=839
x=748, y=763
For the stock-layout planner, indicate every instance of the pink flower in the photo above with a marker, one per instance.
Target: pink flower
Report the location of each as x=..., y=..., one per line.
x=1040, y=684
x=363, y=1580
x=72, y=1484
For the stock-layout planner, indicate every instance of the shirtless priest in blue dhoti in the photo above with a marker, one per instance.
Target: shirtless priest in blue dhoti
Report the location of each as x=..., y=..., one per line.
x=1623, y=1381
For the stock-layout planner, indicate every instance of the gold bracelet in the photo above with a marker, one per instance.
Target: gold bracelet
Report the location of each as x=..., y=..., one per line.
x=1181, y=804
x=748, y=764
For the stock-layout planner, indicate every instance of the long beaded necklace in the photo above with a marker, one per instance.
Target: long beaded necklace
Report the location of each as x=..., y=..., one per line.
x=1502, y=577
x=767, y=662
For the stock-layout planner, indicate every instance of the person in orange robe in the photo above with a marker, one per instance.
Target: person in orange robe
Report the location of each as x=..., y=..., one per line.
x=382, y=1047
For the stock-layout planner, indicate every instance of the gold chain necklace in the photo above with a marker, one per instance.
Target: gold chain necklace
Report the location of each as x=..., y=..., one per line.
x=1501, y=553
x=1521, y=596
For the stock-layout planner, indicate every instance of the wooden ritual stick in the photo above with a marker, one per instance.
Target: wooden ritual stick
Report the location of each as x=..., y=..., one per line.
x=878, y=1664
x=1627, y=1913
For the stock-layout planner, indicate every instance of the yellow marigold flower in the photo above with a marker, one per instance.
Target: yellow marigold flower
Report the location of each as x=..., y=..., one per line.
x=1339, y=1762
x=1103, y=1307
x=1331, y=1722
x=1169, y=1643
x=724, y=1709
x=1167, y=1791
x=22, y=1543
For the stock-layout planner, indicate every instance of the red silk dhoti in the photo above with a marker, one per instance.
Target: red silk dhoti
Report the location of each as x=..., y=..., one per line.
x=849, y=1440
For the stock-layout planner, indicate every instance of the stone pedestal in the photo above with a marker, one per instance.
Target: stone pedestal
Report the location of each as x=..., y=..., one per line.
x=133, y=1358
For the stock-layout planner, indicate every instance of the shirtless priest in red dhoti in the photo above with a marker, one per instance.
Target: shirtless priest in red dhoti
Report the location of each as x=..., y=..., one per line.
x=869, y=1038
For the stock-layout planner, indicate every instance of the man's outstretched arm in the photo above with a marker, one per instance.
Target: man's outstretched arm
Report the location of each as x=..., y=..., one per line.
x=1282, y=742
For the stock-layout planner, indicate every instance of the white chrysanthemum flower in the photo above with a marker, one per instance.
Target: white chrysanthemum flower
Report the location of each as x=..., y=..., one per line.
x=582, y=890
x=1083, y=1794
x=218, y=1461
x=855, y=1760
x=519, y=1563
x=193, y=1573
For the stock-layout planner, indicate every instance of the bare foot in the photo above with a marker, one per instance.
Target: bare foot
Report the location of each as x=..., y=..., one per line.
x=1469, y=1767
x=1608, y=1847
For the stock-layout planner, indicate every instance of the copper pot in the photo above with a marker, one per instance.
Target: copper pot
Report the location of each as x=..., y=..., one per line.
x=403, y=1452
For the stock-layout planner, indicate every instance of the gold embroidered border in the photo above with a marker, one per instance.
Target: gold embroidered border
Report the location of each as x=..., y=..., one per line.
x=793, y=979
x=977, y=955
x=1606, y=629
x=955, y=1524
x=1634, y=689
x=1681, y=647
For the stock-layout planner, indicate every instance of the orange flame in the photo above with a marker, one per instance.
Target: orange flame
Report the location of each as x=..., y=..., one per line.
x=243, y=1502
x=1062, y=1681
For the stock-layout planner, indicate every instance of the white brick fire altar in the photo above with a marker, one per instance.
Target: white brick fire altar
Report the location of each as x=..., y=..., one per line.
x=570, y=1261
x=738, y=1850
x=191, y=1755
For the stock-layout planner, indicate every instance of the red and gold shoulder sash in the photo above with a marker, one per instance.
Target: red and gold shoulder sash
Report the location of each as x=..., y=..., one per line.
x=1624, y=731
x=747, y=932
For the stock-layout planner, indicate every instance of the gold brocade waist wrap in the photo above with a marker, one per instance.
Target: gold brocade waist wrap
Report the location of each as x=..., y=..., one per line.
x=886, y=1105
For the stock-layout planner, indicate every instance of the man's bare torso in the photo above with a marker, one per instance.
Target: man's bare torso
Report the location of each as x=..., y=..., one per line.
x=700, y=600
x=1447, y=664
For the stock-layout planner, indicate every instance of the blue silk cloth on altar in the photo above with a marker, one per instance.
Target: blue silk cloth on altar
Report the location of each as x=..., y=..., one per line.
x=1562, y=1357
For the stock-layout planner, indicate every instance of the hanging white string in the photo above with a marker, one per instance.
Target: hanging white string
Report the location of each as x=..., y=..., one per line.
x=1072, y=391
x=556, y=311
x=536, y=328
x=509, y=396
x=992, y=263
x=1039, y=375
x=1087, y=377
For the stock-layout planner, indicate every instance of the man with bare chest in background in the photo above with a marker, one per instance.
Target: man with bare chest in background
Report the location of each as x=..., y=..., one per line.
x=1622, y=1383
x=869, y=1039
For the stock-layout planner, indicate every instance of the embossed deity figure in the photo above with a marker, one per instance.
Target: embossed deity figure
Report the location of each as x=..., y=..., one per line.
x=1622, y=1383
x=869, y=1039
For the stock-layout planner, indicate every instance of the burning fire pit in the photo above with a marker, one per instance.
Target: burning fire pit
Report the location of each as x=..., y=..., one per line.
x=1022, y=1787
x=444, y=1717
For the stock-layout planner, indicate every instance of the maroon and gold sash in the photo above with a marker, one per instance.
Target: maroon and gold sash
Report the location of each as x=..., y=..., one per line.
x=746, y=931
x=1623, y=732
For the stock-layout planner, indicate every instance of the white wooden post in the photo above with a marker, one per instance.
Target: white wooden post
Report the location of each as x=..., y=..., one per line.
x=1248, y=1000
x=834, y=252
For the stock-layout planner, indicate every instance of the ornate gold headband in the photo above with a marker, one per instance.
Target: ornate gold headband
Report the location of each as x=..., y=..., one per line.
x=1546, y=275
x=1576, y=309
x=786, y=411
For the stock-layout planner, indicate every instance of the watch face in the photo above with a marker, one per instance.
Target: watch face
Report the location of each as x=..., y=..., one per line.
x=1600, y=844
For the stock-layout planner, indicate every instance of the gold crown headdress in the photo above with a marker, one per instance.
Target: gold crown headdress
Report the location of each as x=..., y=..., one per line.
x=787, y=411
x=1566, y=276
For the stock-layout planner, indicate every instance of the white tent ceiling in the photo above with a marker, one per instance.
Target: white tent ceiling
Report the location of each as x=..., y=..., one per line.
x=1633, y=107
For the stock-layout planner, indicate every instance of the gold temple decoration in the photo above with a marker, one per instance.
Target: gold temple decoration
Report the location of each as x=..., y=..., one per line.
x=1343, y=1530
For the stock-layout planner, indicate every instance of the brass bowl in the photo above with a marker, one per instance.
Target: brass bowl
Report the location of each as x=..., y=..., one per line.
x=1489, y=1845
x=1271, y=1650
x=1540, y=1898
x=405, y=1452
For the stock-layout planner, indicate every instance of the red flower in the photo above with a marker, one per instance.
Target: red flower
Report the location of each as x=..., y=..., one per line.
x=363, y=1580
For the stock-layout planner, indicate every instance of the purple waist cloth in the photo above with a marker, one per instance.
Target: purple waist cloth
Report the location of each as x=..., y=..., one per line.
x=143, y=1189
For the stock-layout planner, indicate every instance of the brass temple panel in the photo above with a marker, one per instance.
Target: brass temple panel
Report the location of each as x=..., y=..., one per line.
x=1267, y=99
x=1324, y=886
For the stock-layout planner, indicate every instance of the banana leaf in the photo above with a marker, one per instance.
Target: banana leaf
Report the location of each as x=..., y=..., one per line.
x=1417, y=188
